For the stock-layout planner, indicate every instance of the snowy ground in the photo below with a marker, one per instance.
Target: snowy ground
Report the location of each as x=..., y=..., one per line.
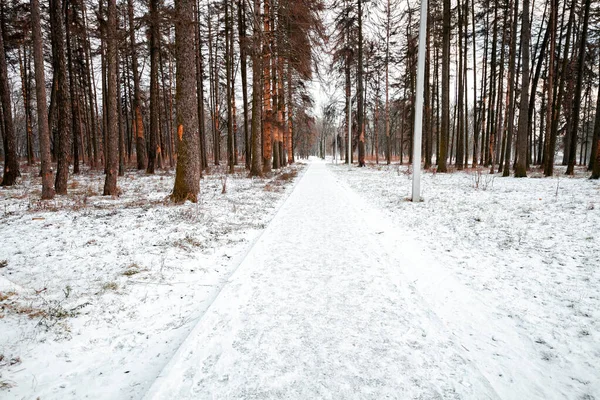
x=319, y=310
x=96, y=294
x=490, y=288
x=511, y=267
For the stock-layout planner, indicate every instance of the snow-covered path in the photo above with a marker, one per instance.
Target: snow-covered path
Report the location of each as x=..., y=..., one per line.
x=318, y=310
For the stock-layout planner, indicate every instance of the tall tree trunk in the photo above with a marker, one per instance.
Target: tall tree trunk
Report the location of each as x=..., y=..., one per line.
x=187, y=177
x=40, y=88
x=154, y=95
x=11, y=162
x=360, y=118
x=112, y=132
x=200, y=89
x=228, y=82
x=92, y=100
x=75, y=118
x=25, y=91
x=62, y=96
x=523, y=125
x=138, y=123
x=511, y=90
x=120, y=122
x=578, y=88
x=290, y=115
x=460, y=139
x=268, y=110
x=256, y=169
x=388, y=142
x=244, y=72
x=559, y=95
x=476, y=114
x=595, y=155
x=446, y=27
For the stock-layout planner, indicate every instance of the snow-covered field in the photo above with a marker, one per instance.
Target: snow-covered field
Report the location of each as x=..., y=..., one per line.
x=500, y=278
x=97, y=293
x=511, y=267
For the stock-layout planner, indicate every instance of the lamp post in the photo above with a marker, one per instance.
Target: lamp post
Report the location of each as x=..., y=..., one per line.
x=349, y=159
x=416, y=187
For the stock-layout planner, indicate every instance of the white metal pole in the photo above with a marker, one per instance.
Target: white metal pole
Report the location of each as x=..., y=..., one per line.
x=416, y=187
x=349, y=128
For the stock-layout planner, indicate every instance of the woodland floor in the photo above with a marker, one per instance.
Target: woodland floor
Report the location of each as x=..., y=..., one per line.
x=97, y=293
x=490, y=288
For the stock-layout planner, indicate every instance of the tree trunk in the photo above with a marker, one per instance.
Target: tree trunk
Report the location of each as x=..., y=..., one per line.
x=255, y=169
x=112, y=129
x=511, y=90
x=578, y=88
x=138, y=123
x=75, y=118
x=244, y=71
x=62, y=96
x=445, y=87
x=595, y=155
x=25, y=91
x=268, y=111
x=187, y=176
x=360, y=118
x=200, y=90
x=11, y=162
x=550, y=154
x=228, y=82
x=40, y=87
x=523, y=125
x=154, y=95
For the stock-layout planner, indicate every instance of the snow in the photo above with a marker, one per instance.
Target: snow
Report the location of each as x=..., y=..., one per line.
x=98, y=293
x=318, y=310
x=329, y=286
x=511, y=267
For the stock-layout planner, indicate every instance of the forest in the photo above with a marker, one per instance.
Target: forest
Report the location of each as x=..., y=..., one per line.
x=509, y=86
x=208, y=199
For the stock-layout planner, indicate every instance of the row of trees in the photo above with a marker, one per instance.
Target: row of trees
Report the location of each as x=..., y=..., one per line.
x=106, y=108
x=198, y=83
x=508, y=83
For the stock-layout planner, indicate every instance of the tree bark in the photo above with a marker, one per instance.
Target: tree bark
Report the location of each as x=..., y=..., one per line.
x=578, y=88
x=445, y=87
x=187, y=176
x=523, y=124
x=112, y=128
x=154, y=95
x=63, y=147
x=360, y=92
x=40, y=87
x=268, y=110
x=138, y=122
x=244, y=73
x=595, y=155
x=511, y=91
x=11, y=162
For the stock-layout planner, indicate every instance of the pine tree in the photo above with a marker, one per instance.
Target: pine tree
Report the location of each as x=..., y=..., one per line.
x=187, y=175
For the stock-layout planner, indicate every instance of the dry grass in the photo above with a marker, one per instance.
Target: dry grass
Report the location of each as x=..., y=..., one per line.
x=132, y=269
